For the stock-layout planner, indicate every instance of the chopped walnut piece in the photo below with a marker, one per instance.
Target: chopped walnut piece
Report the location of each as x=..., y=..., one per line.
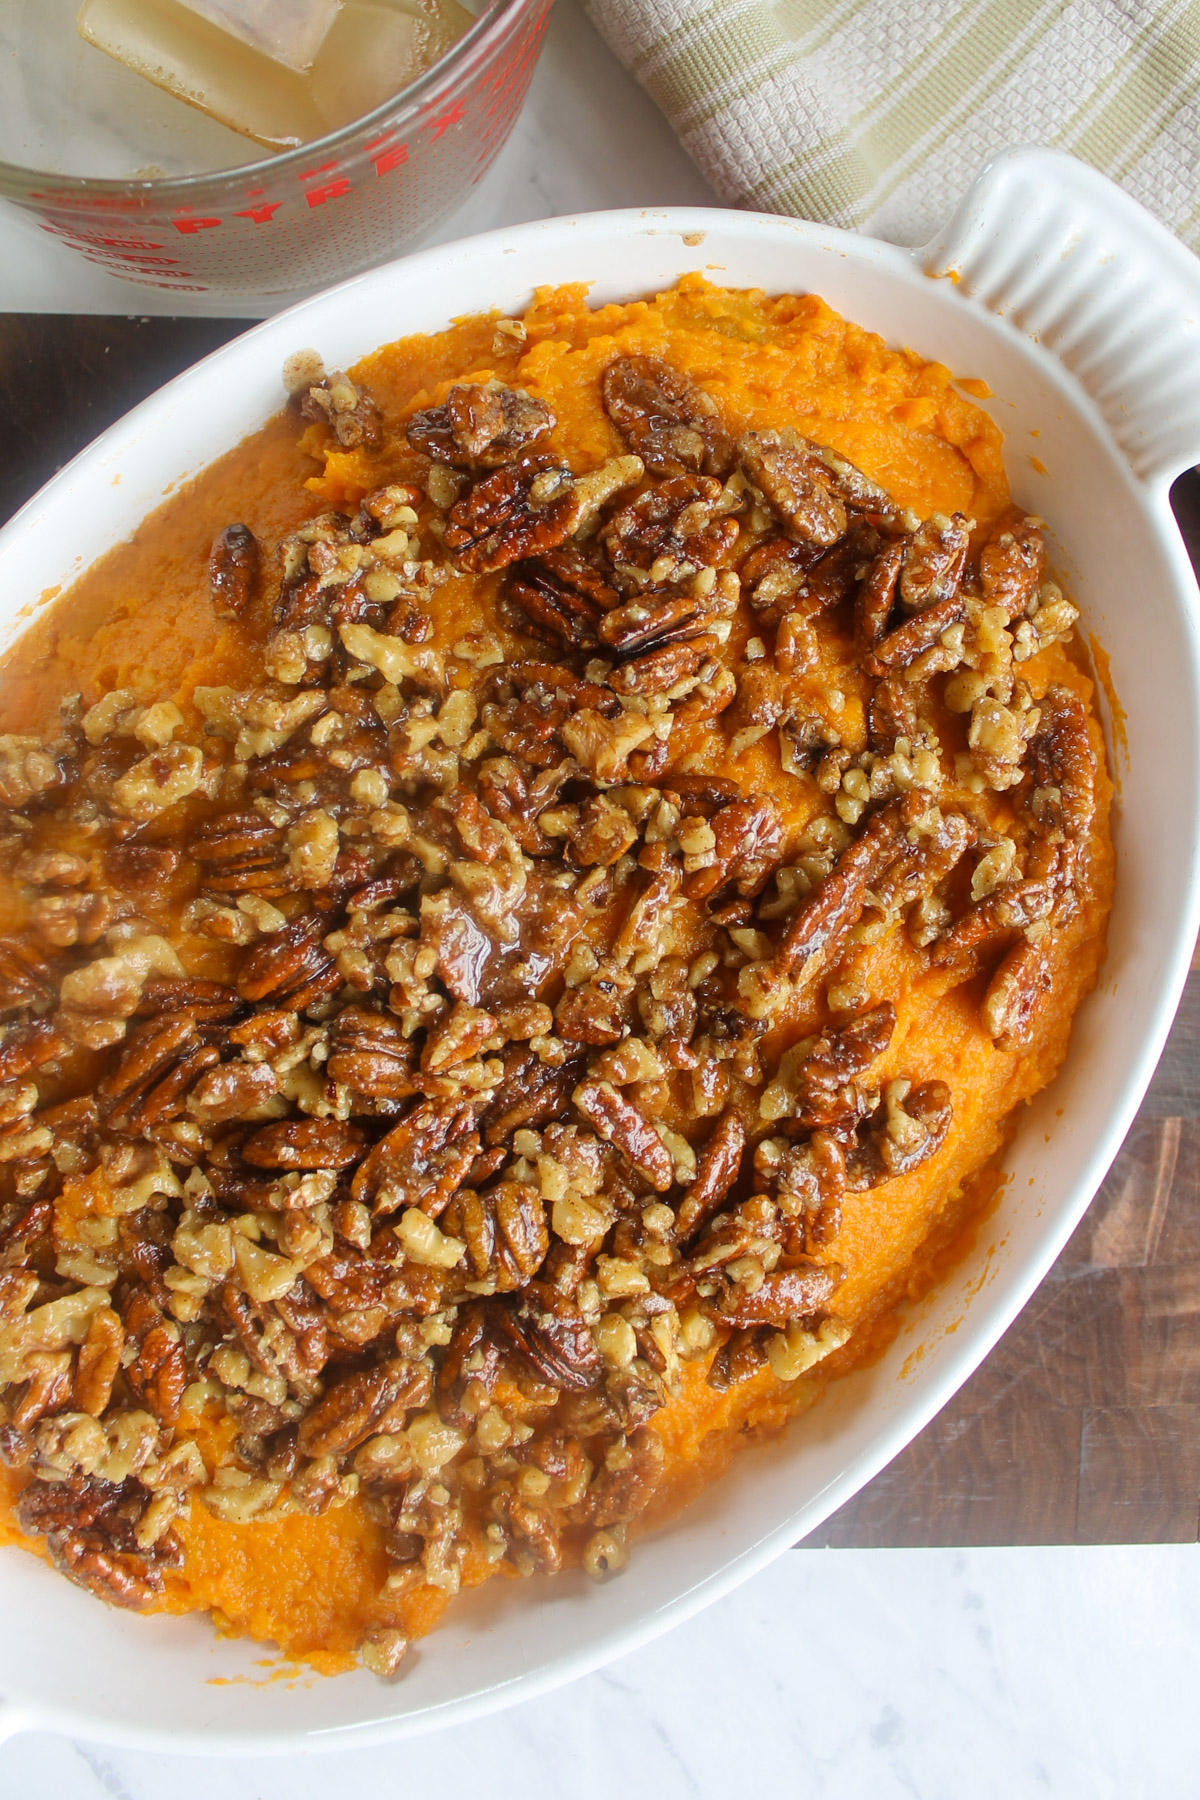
x=351, y=414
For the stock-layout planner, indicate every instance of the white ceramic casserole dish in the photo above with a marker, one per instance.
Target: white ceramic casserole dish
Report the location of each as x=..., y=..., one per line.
x=1083, y=316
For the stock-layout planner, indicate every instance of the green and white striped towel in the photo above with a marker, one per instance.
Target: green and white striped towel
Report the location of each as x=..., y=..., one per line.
x=876, y=114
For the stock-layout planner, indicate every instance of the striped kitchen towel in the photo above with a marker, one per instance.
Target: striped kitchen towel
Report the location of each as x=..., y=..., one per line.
x=875, y=114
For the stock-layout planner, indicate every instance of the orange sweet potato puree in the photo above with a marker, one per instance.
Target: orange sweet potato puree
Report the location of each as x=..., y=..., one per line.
x=142, y=619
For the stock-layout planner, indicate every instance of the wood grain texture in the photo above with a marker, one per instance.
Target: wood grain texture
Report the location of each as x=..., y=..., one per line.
x=1083, y=1425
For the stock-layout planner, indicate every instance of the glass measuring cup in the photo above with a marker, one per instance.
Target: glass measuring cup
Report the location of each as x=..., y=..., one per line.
x=302, y=219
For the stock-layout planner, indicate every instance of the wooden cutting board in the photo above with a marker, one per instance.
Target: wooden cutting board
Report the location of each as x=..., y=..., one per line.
x=1083, y=1425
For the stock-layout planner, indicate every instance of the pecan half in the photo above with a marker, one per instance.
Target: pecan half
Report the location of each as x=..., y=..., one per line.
x=422, y=1161
x=233, y=571
x=505, y=1234
x=305, y=1144
x=563, y=595
x=934, y=560
x=618, y=1122
x=516, y=512
x=673, y=426
x=1011, y=566
x=479, y=425
x=749, y=837
x=672, y=529
x=822, y=921
x=717, y=1169
x=783, y=1295
x=157, y=1374
x=369, y=1052
x=361, y=1403
x=799, y=488
x=241, y=853
x=548, y=1333
x=290, y=968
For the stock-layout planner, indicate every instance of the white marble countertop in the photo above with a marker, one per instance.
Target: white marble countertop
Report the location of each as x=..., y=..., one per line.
x=853, y=1675
x=835, y=1674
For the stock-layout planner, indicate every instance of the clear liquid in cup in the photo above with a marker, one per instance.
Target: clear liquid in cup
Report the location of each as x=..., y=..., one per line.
x=146, y=88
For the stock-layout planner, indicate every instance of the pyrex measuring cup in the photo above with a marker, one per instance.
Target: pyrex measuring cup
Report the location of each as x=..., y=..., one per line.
x=312, y=215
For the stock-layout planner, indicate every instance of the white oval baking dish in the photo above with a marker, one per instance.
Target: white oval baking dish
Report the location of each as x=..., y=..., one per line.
x=1083, y=316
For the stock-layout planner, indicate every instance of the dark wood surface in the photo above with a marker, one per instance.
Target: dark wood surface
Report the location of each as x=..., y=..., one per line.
x=1083, y=1425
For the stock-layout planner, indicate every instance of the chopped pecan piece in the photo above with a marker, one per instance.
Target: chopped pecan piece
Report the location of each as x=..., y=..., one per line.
x=480, y=425
x=618, y=1122
x=233, y=570
x=350, y=413
x=673, y=426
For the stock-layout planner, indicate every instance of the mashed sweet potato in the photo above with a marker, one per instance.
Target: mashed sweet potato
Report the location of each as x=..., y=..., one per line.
x=532, y=892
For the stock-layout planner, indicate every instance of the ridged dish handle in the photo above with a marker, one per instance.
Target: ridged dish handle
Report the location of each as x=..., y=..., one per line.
x=1073, y=262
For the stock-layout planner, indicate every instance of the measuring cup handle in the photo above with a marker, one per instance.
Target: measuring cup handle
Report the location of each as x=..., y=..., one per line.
x=1075, y=263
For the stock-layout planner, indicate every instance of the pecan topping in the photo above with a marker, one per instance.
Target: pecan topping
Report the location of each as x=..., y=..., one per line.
x=233, y=570
x=421, y=1058
x=480, y=426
